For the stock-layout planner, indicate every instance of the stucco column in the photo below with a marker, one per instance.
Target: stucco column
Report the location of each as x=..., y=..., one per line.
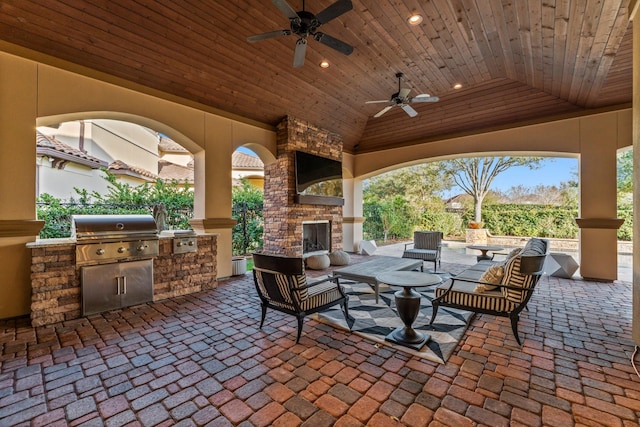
x=18, y=109
x=598, y=204
x=352, y=219
x=212, y=210
x=636, y=167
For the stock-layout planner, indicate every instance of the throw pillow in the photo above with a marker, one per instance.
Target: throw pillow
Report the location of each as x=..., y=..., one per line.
x=514, y=252
x=492, y=275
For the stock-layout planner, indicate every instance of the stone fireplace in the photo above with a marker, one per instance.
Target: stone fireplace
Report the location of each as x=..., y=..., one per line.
x=316, y=237
x=285, y=220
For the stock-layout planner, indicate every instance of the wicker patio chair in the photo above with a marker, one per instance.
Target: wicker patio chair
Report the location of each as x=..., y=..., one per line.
x=426, y=245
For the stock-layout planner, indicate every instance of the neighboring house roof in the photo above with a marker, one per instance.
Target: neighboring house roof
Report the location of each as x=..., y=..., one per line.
x=168, y=171
x=244, y=161
x=49, y=146
x=119, y=167
x=169, y=146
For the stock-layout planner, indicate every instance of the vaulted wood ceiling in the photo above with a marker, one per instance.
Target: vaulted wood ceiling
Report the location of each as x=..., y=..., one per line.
x=517, y=60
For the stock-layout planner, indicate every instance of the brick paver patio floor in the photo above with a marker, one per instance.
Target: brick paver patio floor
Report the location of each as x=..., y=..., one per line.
x=201, y=360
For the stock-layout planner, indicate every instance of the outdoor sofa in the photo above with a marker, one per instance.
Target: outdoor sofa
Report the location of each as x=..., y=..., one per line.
x=499, y=288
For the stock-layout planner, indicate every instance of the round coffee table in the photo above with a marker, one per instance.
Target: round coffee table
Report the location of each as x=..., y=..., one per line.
x=408, y=304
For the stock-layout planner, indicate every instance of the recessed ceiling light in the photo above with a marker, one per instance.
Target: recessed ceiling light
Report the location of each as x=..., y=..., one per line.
x=414, y=19
x=457, y=86
x=324, y=64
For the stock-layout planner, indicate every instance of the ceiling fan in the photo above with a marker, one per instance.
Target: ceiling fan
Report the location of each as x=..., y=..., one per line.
x=402, y=100
x=305, y=24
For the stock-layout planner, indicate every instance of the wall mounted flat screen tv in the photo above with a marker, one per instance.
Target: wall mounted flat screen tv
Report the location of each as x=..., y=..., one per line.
x=318, y=180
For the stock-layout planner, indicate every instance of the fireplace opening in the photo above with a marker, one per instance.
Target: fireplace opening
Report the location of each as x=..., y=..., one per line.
x=316, y=238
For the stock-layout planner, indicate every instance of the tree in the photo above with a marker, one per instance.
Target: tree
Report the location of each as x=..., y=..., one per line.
x=625, y=171
x=420, y=185
x=395, y=202
x=476, y=174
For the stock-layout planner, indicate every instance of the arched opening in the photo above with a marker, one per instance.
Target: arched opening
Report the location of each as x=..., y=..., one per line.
x=110, y=166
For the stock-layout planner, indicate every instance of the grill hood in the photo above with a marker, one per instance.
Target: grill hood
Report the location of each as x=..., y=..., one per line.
x=113, y=227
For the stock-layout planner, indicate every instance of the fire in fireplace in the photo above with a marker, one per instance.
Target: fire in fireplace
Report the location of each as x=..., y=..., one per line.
x=316, y=237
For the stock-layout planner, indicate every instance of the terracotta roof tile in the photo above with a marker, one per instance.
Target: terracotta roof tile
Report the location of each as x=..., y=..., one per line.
x=170, y=171
x=119, y=165
x=169, y=145
x=49, y=145
x=244, y=161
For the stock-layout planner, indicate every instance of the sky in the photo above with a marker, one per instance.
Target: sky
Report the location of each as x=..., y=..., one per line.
x=553, y=171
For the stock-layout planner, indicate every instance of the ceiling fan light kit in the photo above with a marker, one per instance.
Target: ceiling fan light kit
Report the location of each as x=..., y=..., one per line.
x=305, y=24
x=401, y=99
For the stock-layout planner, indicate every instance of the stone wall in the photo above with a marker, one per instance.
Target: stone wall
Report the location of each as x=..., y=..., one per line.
x=283, y=217
x=55, y=284
x=182, y=274
x=55, y=279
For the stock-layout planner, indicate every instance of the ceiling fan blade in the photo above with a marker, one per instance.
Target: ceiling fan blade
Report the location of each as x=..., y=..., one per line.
x=301, y=50
x=333, y=11
x=403, y=93
x=384, y=110
x=269, y=35
x=410, y=111
x=286, y=9
x=424, y=98
x=377, y=102
x=334, y=43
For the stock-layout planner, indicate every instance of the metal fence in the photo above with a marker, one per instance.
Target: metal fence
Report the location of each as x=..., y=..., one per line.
x=247, y=233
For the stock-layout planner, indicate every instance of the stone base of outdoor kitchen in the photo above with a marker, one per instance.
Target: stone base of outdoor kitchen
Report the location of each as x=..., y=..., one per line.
x=55, y=278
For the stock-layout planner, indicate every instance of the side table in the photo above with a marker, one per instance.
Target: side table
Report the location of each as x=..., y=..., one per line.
x=559, y=264
x=408, y=304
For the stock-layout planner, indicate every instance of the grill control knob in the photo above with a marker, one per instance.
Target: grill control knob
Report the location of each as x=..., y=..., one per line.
x=190, y=242
x=121, y=249
x=100, y=251
x=141, y=248
x=179, y=244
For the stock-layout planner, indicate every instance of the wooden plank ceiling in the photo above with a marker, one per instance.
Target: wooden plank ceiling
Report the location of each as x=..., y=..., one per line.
x=516, y=60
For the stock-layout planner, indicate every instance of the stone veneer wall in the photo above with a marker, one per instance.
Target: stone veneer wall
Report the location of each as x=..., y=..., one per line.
x=55, y=279
x=282, y=217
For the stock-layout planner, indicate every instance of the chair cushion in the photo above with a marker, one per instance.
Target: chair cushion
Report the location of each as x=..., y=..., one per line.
x=339, y=258
x=424, y=254
x=321, y=294
x=492, y=275
x=463, y=293
x=318, y=262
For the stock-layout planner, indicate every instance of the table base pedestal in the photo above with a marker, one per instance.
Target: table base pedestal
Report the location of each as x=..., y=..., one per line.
x=413, y=339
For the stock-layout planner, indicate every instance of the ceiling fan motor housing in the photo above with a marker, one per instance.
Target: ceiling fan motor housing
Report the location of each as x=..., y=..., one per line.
x=305, y=25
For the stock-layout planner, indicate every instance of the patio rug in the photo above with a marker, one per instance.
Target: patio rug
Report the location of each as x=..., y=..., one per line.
x=375, y=321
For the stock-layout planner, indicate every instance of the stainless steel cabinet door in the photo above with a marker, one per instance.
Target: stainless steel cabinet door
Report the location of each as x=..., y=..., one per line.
x=100, y=288
x=112, y=286
x=136, y=282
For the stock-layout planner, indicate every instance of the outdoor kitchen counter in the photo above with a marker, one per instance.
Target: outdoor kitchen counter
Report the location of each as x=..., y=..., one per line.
x=42, y=243
x=65, y=241
x=56, y=286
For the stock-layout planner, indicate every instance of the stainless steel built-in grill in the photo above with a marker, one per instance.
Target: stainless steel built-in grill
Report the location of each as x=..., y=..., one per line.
x=115, y=254
x=111, y=238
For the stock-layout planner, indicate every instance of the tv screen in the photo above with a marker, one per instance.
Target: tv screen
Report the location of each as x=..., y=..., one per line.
x=318, y=176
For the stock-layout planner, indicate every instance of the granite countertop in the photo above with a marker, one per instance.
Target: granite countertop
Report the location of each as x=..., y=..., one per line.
x=65, y=241
x=41, y=243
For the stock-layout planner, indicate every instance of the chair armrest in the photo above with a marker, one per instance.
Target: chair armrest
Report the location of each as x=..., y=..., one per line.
x=406, y=245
